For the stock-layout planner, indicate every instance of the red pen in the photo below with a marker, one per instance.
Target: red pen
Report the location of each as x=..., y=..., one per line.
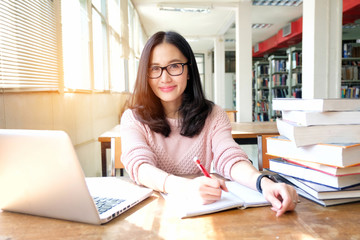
x=203, y=170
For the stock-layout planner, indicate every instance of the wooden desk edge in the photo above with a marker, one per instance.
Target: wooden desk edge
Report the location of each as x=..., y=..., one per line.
x=251, y=135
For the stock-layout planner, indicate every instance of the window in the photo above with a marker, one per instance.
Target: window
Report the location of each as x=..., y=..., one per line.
x=29, y=59
x=136, y=42
x=100, y=45
x=76, y=45
x=94, y=45
x=200, y=60
x=93, y=51
x=117, y=65
x=132, y=57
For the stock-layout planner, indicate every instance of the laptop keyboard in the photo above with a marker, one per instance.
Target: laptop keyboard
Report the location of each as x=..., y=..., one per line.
x=104, y=204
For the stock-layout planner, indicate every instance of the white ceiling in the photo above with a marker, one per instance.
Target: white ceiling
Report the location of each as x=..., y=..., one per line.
x=201, y=28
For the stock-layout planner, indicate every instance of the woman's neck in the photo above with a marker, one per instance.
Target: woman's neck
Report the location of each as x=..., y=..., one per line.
x=171, y=110
x=173, y=113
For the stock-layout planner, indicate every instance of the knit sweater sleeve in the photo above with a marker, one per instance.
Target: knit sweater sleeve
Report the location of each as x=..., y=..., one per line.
x=134, y=147
x=226, y=151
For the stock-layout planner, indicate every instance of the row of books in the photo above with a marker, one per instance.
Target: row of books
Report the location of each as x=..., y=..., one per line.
x=262, y=117
x=279, y=92
x=296, y=59
x=351, y=50
x=296, y=92
x=350, y=72
x=263, y=69
x=318, y=150
x=262, y=82
x=278, y=65
x=263, y=106
x=350, y=92
x=263, y=94
x=296, y=78
x=279, y=79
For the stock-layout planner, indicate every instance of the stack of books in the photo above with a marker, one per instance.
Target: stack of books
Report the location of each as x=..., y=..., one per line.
x=318, y=150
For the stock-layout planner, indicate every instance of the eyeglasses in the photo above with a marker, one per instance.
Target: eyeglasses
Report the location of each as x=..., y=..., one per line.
x=174, y=69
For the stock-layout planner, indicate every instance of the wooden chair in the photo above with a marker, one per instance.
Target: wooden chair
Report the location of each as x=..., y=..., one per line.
x=262, y=150
x=232, y=115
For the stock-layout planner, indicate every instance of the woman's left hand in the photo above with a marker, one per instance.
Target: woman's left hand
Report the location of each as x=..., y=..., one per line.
x=282, y=197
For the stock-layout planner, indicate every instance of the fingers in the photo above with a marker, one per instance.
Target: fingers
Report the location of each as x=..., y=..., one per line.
x=283, y=198
x=275, y=202
x=210, y=189
x=223, y=185
x=219, y=183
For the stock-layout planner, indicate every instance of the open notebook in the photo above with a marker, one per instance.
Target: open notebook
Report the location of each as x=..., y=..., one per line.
x=239, y=196
x=41, y=175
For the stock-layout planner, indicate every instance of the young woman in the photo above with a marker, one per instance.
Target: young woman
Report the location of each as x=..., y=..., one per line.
x=169, y=122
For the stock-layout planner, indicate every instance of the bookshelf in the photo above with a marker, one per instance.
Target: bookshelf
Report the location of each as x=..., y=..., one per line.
x=261, y=91
x=253, y=92
x=277, y=76
x=278, y=81
x=350, y=79
x=295, y=71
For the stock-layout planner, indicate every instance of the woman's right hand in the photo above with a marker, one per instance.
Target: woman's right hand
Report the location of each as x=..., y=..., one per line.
x=204, y=190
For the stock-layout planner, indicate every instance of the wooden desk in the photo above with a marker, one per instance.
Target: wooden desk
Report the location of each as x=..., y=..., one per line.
x=251, y=130
x=152, y=219
x=255, y=133
x=243, y=133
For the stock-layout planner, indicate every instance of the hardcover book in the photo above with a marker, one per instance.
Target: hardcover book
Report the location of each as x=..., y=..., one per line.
x=283, y=167
x=320, y=105
x=307, y=135
x=323, y=192
x=331, y=170
x=337, y=155
x=325, y=202
x=308, y=118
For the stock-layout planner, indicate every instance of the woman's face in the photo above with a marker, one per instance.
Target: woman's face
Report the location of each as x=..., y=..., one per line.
x=166, y=87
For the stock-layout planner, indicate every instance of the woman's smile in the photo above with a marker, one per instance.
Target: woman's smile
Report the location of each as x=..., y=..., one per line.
x=167, y=88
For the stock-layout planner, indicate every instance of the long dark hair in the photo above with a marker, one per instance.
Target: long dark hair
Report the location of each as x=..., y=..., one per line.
x=194, y=108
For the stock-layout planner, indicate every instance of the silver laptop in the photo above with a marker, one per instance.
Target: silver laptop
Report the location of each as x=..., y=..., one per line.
x=41, y=175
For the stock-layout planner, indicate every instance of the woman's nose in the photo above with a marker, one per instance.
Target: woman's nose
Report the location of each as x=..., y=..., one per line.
x=165, y=77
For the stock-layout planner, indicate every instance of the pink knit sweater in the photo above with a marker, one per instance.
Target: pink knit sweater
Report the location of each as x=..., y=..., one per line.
x=174, y=154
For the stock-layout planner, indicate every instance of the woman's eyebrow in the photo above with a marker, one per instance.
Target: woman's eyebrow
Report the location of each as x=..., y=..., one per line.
x=170, y=62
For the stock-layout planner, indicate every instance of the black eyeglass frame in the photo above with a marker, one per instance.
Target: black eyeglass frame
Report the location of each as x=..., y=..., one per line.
x=174, y=75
